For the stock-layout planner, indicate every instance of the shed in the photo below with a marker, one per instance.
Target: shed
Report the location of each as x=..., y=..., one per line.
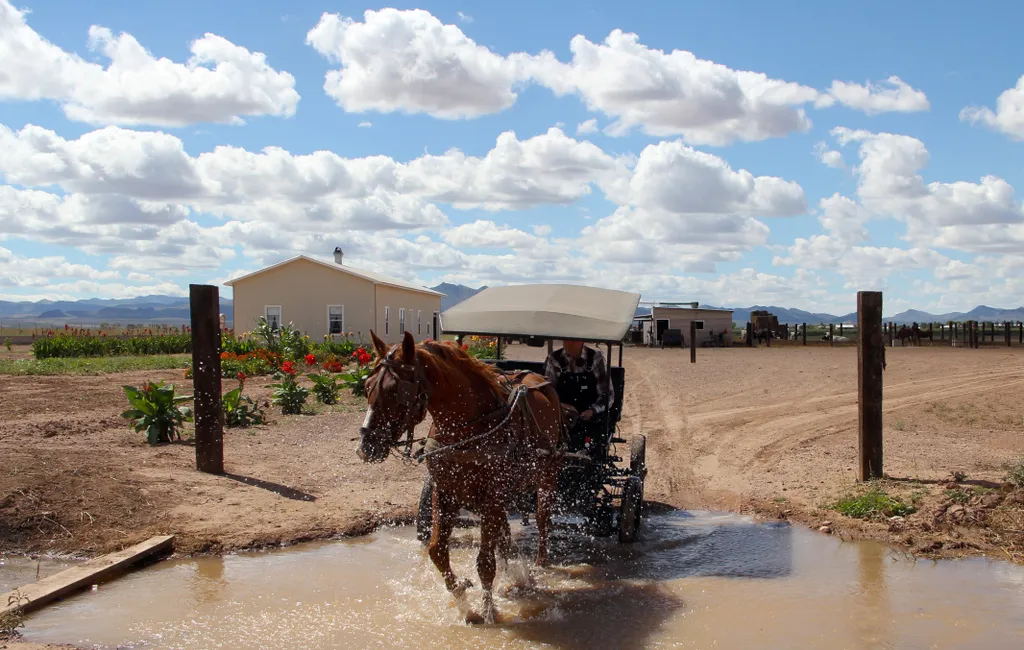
x=711, y=322
x=320, y=298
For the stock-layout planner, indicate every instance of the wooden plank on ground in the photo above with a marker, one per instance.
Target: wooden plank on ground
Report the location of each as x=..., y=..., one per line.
x=88, y=573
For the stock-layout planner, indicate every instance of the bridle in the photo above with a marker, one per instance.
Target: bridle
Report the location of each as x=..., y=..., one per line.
x=413, y=396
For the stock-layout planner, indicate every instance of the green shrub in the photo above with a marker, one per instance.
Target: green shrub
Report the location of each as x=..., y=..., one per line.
x=155, y=410
x=239, y=409
x=287, y=393
x=7, y=343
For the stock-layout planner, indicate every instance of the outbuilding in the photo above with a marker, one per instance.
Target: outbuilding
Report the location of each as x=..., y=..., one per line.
x=712, y=324
x=320, y=298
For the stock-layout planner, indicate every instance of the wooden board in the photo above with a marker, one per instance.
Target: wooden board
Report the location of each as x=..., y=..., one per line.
x=88, y=573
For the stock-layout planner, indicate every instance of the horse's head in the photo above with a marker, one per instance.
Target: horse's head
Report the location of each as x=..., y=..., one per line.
x=397, y=392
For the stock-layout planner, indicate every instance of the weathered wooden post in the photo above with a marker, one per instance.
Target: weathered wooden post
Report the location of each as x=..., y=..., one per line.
x=840, y=329
x=805, y=333
x=832, y=334
x=1020, y=331
x=1006, y=330
x=204, y=305
x=693, y=341
x=750, y=334
x=870, y=351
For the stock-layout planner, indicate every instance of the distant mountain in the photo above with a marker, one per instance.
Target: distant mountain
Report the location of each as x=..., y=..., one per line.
x=455, y=293
x=151, y=310
x=979, y=313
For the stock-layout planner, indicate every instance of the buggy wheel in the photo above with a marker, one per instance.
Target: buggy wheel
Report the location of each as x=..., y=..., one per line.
x=638, y=456
x=630, y=509
x=425, y=513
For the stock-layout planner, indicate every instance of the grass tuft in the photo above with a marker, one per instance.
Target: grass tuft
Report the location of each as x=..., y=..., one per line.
x=1015, y=473
x=873, y=504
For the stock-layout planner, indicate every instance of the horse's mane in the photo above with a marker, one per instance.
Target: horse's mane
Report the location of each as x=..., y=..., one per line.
x=452, y=364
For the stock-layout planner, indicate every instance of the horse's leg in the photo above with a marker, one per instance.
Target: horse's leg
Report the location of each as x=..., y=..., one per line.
x=445, y=512
x=545, y=500
x=490, y=534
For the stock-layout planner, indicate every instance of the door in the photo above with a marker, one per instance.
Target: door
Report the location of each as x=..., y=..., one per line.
x=435, y=333
x=662, y=325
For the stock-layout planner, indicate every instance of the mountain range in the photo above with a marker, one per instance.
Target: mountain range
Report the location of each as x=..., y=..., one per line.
x=174, y=310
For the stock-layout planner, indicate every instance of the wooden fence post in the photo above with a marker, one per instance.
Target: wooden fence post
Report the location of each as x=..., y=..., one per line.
x=204, y=305
x=1006, y=329
x=805, y=333
x=832, y=335
x=840, y=329
x=870, y=351
x=1020, y=331
x=750, y=334
x=693, y=341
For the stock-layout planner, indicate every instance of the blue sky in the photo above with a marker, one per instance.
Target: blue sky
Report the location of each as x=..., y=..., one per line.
x=675, y=247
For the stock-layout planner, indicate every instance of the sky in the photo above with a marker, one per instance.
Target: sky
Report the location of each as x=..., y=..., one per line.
x=732, y=153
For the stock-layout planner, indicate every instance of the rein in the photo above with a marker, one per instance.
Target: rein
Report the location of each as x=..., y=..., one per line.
x=415, y=396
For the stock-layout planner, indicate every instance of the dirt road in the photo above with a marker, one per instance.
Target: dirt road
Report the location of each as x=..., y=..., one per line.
x=768, y=430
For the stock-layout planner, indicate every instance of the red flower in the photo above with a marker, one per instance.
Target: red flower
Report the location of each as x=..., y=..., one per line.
x=465, y=347
x=310, y=360
x=241, y=377
x=364, y=358
x=288, y=368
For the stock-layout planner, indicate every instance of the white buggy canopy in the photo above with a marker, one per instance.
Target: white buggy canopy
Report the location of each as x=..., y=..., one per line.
x=554, y=311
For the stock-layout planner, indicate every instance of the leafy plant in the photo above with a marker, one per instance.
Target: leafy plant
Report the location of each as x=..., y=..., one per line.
x=285, y=340
x=239, y=409
x=873, y=503
x=7, y=343
x=356, y=379
x=1015, y=473
x=287, y=393
x=325, y=386
x=12, y=619
x=155, y=410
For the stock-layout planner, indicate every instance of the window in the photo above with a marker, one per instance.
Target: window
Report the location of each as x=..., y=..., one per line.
x=401, y=320
x=699, y=324
x=419, y=322
x=273, y=315
x=335, y=319
x=387, y=321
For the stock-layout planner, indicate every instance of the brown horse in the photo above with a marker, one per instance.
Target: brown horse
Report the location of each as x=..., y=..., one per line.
x=494, y=436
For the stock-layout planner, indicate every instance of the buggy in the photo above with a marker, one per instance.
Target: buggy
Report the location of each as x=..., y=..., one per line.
x=603, y=488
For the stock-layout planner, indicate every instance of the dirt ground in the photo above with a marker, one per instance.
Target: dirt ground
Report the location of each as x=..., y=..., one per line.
x=771, y=431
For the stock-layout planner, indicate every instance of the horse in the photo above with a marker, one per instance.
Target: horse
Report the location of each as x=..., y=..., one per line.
x=905, y=333
x=764, y=335
x=493, y=437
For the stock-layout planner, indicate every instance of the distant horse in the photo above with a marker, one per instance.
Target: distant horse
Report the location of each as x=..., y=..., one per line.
x=764, y=335
x=921, y=334
x=493, y=438
x=905, y=333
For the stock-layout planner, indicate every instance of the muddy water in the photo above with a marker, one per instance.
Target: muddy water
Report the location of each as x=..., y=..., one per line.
x=696, y=580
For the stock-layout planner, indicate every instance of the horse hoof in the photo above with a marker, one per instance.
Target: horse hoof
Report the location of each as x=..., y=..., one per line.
x=461, y=588
x=472, y=618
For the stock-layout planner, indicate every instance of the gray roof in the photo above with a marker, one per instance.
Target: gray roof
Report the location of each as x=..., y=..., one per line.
x=558, y=311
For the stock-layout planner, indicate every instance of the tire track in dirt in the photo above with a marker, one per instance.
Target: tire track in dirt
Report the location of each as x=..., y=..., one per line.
x=706, y=457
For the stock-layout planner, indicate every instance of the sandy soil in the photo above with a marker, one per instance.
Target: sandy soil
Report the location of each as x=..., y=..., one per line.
x=771, y=431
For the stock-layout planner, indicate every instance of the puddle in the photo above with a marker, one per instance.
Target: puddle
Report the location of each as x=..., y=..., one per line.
x=695, y=580
x=18, y=571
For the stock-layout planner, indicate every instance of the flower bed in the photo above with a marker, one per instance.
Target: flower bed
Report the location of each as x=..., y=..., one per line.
x=75, y=342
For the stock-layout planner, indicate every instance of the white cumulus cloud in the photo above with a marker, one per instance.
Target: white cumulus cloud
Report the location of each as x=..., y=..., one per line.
x=221, y=82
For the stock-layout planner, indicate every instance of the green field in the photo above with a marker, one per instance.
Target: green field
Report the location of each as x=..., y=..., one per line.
x=92, y=365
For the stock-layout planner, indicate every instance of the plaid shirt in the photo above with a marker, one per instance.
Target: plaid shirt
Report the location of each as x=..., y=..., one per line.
x=590, y=360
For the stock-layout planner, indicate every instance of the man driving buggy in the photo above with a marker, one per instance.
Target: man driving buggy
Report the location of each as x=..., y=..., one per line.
x=581, y=378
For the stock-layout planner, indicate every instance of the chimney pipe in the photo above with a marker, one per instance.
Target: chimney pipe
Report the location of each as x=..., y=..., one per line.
x=338, y=255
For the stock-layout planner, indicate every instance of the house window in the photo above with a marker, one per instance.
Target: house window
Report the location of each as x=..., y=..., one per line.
x=699, y=324
x=335, y=319
x=401, y=320
x=419, y=322
x=387, y=321
x=273, y=315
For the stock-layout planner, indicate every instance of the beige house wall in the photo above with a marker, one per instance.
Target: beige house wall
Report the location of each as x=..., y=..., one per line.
x=680, y=317
x=305, y=289
x=419, y=310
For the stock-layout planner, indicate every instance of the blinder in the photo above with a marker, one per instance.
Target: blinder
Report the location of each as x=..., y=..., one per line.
x=411, y=396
